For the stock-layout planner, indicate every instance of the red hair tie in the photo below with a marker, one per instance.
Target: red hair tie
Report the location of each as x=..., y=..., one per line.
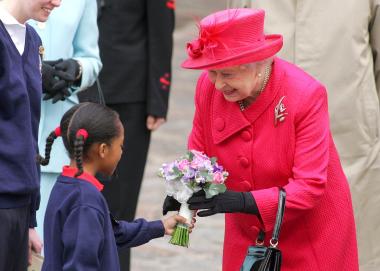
x=82, y=132
x=57, y=131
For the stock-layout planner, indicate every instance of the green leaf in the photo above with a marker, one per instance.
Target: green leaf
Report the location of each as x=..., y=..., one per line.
x=214, y=189
x=213, y=160
x=191, y=156
x=204, y=173
x=177, y=171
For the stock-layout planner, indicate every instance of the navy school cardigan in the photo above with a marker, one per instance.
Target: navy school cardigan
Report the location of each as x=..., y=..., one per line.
x=20, y=103
x=79, y=233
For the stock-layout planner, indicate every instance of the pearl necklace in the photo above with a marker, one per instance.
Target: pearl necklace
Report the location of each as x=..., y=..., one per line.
x=267, y=72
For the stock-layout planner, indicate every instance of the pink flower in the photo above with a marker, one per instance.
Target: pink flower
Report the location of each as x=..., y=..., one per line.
x=218, y=178
x=183, y=164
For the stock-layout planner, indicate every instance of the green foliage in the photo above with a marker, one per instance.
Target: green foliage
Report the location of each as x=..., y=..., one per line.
x=214, y=189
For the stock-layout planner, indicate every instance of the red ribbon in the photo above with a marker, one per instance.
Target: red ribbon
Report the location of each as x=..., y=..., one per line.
x=82, y=132
x=57, y=131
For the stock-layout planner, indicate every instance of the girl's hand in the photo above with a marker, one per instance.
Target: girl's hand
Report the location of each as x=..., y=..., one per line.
x=171, y=222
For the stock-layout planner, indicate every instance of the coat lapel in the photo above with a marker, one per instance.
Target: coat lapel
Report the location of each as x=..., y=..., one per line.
x=227, y=119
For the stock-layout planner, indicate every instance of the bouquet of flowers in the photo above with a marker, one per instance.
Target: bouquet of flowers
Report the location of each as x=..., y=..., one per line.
x=187, y=175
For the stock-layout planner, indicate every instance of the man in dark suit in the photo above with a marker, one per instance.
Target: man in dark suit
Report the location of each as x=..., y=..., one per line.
x=136, y=49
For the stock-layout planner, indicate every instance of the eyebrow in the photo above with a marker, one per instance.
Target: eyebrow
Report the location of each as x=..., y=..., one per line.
x=223, y=70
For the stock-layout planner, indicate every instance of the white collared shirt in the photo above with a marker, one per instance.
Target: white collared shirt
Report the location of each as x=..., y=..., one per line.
x=16, y=30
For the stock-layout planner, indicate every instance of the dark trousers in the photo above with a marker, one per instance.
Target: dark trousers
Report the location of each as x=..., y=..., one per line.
x=123, y=190
x=14, y=238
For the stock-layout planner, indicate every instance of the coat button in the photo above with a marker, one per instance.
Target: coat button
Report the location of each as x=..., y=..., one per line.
x=246, y=136
x=246, y=186
x=219, y=124
x=244, y=162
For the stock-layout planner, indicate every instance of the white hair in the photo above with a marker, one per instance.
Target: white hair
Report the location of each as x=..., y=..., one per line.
x=258, y=64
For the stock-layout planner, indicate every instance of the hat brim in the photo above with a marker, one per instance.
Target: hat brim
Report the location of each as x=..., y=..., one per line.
x=273, y=44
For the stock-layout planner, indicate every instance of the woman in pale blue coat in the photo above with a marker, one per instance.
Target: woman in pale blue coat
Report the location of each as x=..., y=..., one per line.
x=71, y=33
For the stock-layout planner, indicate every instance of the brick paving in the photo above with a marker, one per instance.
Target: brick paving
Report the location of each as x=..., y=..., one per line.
x=169, y=142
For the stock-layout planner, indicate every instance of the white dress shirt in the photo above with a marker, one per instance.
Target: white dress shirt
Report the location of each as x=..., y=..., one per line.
x=15, y=30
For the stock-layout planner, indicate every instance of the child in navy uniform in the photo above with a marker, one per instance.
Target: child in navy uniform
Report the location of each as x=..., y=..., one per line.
x=79, y=231
x=20, y=103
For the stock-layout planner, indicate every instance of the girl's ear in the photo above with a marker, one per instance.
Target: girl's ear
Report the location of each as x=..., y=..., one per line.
x=103, y=150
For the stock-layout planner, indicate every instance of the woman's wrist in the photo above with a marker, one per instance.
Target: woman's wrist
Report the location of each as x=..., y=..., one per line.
x=80, y=71
x=250, y=205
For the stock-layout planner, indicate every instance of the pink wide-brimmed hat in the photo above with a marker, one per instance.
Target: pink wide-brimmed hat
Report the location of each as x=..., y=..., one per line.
x=231, y=37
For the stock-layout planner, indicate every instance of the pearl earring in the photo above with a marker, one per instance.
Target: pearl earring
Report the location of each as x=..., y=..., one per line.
x=259, y=74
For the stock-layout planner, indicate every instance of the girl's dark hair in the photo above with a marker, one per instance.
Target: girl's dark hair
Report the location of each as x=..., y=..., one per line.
x=100, y=122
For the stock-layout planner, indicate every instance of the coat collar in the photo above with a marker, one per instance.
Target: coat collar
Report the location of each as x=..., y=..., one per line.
x=68, y=171
x=227, y=119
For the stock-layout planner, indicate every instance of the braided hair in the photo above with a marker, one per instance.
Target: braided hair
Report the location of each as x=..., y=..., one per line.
x=49, y=142
x=82, y=126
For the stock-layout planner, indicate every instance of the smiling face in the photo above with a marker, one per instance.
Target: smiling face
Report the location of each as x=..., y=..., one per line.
x=40, y=10
x=236, y=83
x=24, y=10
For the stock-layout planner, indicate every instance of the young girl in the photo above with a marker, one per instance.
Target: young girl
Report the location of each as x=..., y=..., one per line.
x=79, y=231
x=20, y=103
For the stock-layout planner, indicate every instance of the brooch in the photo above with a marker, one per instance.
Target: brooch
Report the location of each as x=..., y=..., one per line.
x=279, y=112
x=41, y=51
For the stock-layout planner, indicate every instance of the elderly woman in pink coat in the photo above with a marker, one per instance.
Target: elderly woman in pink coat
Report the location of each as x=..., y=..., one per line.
x=267, y=123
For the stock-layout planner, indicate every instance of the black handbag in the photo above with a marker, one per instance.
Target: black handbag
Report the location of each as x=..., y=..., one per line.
x=93, y=94
x=267, y=258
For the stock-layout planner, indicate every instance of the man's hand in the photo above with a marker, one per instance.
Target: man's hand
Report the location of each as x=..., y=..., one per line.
x=152, y=122
x=35, y=244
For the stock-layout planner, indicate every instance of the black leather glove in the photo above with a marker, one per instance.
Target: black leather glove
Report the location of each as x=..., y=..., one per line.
x=68, y=70
x=227, y=202
x=170, y=204
x=59, y=77
x=60, y=91
x=49, y=75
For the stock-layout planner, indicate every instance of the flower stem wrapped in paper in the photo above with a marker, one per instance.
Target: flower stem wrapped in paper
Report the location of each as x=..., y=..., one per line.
x=184, y=177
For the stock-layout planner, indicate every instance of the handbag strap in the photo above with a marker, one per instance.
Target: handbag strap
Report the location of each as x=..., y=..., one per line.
x=280, y=215
x=100, y=92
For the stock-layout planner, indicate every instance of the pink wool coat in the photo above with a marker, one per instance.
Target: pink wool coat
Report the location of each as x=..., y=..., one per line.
x=294, y=150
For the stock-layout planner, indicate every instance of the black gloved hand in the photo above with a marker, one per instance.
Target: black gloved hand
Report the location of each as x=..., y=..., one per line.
x=59, y=92
x=170, y=204
x=227, y=202
x=68, y=70
x=58, y=77
x=49, y=75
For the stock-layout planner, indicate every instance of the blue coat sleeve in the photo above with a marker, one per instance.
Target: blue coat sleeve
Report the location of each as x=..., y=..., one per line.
x=83, y=239
x=85, y=44
x=137, y=232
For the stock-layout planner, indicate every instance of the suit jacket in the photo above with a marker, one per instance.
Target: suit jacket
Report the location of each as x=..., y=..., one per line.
x=282, y=139
x=136, y=49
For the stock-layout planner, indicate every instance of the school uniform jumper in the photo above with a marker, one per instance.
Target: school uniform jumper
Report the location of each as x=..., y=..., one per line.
x=20, y=95
x=79, y=233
